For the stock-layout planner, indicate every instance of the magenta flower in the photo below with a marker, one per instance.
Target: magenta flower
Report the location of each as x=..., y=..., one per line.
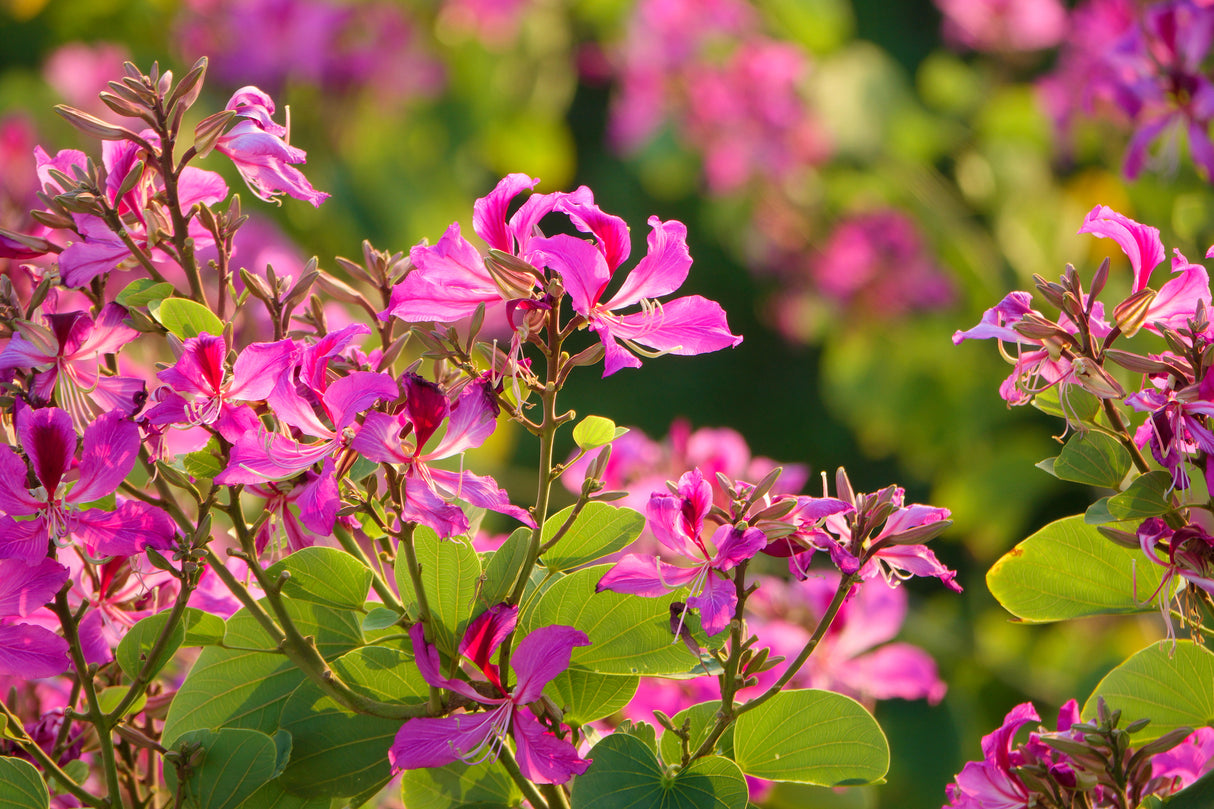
x=67, y=357
x=29, y=650
x=1176, y=301
x=264, y=159
x=990, y=783
x=678, y=523
x=542, y=756
x=111, y=447
x=1190, y=557
x=686, y=326
x=1175, y=428
x=1003, y=25
x=200, y=374
x=428, y=489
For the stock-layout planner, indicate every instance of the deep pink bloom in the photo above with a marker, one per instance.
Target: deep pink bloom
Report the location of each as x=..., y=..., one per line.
x=258, y=147
x=67, y=358
x=111, y=447
x=471, y=419
x=678, y=521
x=1175, y=428
x=200, y=373
x=542, y=757
x=686, y=326
x=990, y=783
x=29, y=650
x=1188, y=761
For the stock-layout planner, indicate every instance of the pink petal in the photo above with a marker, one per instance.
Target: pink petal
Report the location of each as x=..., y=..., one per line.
x=645, y=576
x=540, y=656
x=319, y=500
x=664, y=268
x=542, y=757
x=684, y=326
x=429, y=664
x=1139, y=242
x=473, y=418
x=479, y=490
x=258, y=368
x=610, y=231
x=423, y=505
x=24, y=588
x=448, y=282
x=896, y=670
x=125, y=531
x=582, y=269
x=486, y=633
x=26, y=540
x=15, y=499
x=29, y=652
x=716, y=602
x=435, y=742
x=49, y=442
x=349, y=396
x=378, y=438
x=111, y=447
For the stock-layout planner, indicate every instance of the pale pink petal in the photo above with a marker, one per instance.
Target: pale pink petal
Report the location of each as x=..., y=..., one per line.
x=664, y=268
x=896, y=670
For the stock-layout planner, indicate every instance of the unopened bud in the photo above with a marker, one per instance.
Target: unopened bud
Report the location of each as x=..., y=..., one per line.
x=207, y=133
x=513, y=276
x=1131, y=314
x=91, y=125
x=1095, y=380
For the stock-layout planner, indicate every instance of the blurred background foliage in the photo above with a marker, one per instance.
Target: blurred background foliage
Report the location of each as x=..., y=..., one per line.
x=856, y=188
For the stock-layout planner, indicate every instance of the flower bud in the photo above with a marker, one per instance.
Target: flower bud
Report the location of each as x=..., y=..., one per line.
x=1131, y=314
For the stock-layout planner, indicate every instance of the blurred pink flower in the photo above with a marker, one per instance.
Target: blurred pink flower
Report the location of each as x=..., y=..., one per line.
x=1003, y=25
x=79, y=72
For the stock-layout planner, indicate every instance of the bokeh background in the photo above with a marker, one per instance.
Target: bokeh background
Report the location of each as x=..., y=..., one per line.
x=859, y=178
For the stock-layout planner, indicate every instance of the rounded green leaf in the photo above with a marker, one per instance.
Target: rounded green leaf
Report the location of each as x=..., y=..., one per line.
x=1146, y=497
x=108, y=699
x=450, y=574
x=811, y=737
x=599, y=530
x=143, y=291
x=504, y=567
x=627, y=775
x=1170, y=686
x=1069, y=570
x=23, y=786
x=202, y=628
x=325, y=576
x=593, y=432
x=245, y=688
x=235, y=763
x=185, y=318
x=628, y=635
x=585, y=696
x=134, y=647
x=485, y=785
x=340, y=753
x=1094, y=458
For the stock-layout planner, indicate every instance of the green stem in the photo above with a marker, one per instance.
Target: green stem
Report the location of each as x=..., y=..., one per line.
x=533, y=796
x=724, y=718
x=98, y=719
x=557, y=799
x=351, y=546
x=144, y=677
x=14, y=729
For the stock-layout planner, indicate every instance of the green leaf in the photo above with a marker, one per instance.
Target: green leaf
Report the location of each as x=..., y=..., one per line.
x=140, y=638
x=702, y=716
x=185, y=318
x=600, y=529
x=272, y=796
x=1080, y=405
x=450, y=574
x=593, y=432
x=811, y=737
x=1197, y=795
x=585, y=696
x=1094, y=458
x=203, y=464
x=339, y=753
x=247, y=689
x=325, y=576
x=628, y=635
x=235, y=764
x=1169, y=686
x=627, y=775
x=1146, y=497
x=143, y=291
x=108, y=699
x=504, y=566
x=380, y=618
x=1098, y=513
x=23, y=786
x=484, y=785
x=1068, y=570
x=202, y=628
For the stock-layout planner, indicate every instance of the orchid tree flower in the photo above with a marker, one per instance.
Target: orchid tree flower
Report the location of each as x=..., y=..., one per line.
x=258, y=147
x=687, y=326
x=677, y=520
x=1174, y=429
x=259, y=456
x=26, y=649
x=993, y=782
x=1176, y=302
x=110, y=449
x=200, y=374
x=543, y=757
x=403, y=438
x=67, y=355
x=1189, y=557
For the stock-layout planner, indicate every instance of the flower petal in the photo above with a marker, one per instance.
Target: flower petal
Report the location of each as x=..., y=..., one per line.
x=29, y=652
x=542, y=757
x=111, y=447
x=540, y=656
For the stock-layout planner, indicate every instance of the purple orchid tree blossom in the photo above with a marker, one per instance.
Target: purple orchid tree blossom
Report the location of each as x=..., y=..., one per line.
x=201, y=375
x=1189, y=557
x=67, y=358
x=259, y=456
x=27, y=649
x=686, y=326
x=678, y=523
x=1174, y=429
x=110, y=449
x=471, y=419
x=258, y=147
x=543, y=757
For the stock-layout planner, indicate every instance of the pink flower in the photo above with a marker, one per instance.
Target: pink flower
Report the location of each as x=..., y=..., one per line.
x=257, y=145
x=678, y=522
x=111, y=447
x=685, y=326
x=542, y=756
x=28, y=650
x=1003, y=25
